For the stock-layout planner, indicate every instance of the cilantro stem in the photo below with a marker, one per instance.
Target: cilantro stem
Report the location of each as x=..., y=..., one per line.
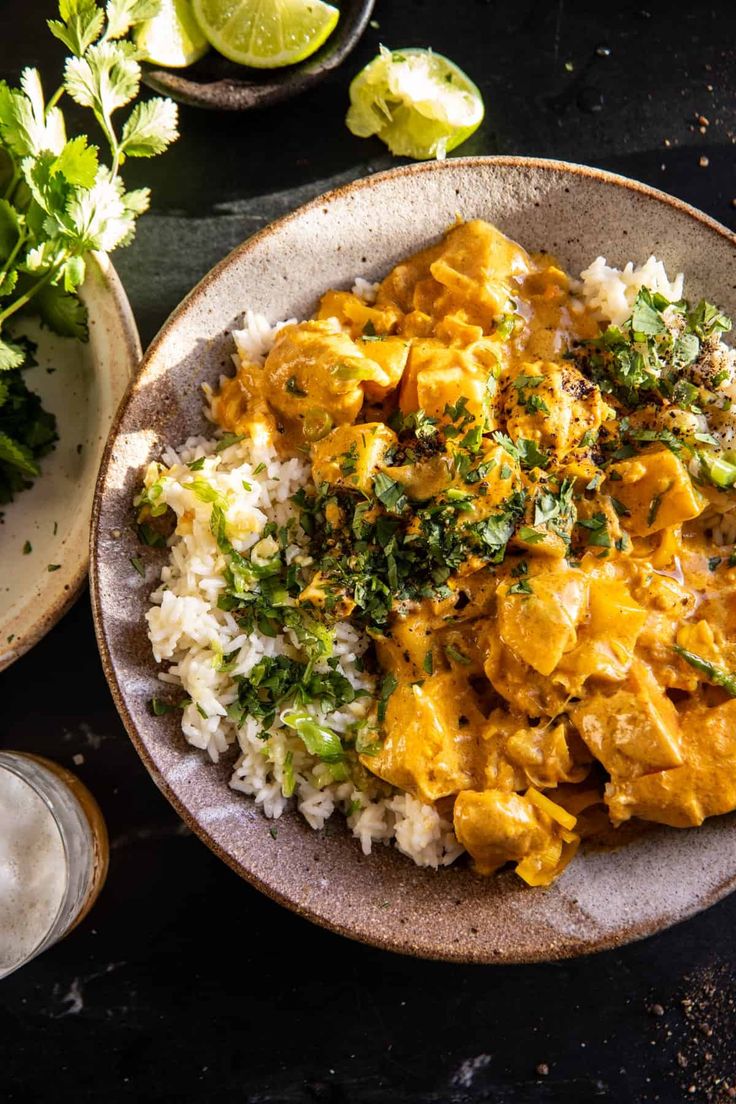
x=13, y=182
x=21, y=301
x=22, y=236
x=55, y=98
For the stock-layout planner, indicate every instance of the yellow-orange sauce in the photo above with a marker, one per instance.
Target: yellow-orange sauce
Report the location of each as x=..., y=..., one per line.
x=541, y=695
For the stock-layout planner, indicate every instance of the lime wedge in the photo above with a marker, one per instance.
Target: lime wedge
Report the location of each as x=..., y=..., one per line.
x=173, y=37
x=266, y=34
x=417, y=101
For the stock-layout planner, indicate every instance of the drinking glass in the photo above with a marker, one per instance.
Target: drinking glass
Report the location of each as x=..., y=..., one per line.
x=54, y=855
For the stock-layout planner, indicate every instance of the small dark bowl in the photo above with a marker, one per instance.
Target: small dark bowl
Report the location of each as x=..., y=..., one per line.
x=221, y=85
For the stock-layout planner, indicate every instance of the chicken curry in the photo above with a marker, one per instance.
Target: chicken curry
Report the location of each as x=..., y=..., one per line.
x=528, y=514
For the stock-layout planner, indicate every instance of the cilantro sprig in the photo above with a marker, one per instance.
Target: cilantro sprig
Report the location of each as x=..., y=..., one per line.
x=61, y=199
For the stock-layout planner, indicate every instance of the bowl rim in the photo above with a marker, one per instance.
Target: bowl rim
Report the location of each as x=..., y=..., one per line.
x=621, y=935
x=62, y=601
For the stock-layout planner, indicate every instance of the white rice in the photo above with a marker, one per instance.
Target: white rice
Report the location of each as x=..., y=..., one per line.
x=610, y=292
x=189, y=634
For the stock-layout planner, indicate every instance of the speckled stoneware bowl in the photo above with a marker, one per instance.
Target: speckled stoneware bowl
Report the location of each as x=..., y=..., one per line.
x=606, y=897
x=82, y=385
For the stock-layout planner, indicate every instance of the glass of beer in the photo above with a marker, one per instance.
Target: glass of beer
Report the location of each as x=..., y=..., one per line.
x=53, y=855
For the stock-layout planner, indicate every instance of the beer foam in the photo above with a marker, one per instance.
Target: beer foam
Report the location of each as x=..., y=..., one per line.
x=33, y=870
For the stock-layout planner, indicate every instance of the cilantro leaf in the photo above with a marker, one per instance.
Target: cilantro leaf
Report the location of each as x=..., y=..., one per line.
x=11, y=355
x=389, y=493
x=77, y=162
x=124, y=14
x=645, y=318
x=389, y=683
x=706, y=320
x=150, y=128
x=63, y=312
x=106, y=78
x=27, y=127
x=17, y=456
x=81, y=24
x=530, y=455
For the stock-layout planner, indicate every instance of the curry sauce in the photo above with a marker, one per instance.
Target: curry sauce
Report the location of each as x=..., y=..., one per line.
x=521, y=510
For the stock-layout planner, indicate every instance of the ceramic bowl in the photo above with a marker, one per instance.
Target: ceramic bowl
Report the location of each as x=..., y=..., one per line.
x=219, y=84
x=606, y=897
x=81, y=384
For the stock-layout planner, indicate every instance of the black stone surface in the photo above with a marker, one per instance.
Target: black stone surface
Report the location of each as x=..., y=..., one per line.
x=184, y=983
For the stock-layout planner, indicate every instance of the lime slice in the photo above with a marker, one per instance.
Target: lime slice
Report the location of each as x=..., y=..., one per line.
x=173, y=37
x=417, y=101
x=266, y=34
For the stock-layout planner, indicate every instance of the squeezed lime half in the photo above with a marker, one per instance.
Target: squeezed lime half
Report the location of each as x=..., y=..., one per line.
x=173, y=37
x=420, y=103
x=266, y=34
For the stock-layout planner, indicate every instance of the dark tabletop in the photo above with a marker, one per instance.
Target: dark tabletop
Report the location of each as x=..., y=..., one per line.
x=186, y=984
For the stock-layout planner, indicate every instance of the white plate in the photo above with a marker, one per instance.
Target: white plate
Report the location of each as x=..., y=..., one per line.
x=81, y=384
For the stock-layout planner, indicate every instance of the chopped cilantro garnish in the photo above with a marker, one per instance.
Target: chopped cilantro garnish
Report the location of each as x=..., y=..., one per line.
x=389, y=493
x=348, y=463
x=292, y=386
x=619, y=507
x=529, y=535
x=227, y=440
x=530, y=455
x=388, y=684
x=706, y=320
x=597, y=527
x=654, y=506
x=456, y=656
x=160, y=707
x=137, y=564
x=27, y=548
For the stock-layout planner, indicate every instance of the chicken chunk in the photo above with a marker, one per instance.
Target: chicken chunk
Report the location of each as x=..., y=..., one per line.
x=705, y=784
x=438, y=376
x=430, y=747
x=351, y=455
x=518, y=755
x=539, y=624
x=634, y=731
x=312, y=379
x=606, y=640
x=552, y=404
x=497, y=827
x=356, y=316
x=656, y=490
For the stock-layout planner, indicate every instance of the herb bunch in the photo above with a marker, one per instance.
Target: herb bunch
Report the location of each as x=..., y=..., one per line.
x=60, y=200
